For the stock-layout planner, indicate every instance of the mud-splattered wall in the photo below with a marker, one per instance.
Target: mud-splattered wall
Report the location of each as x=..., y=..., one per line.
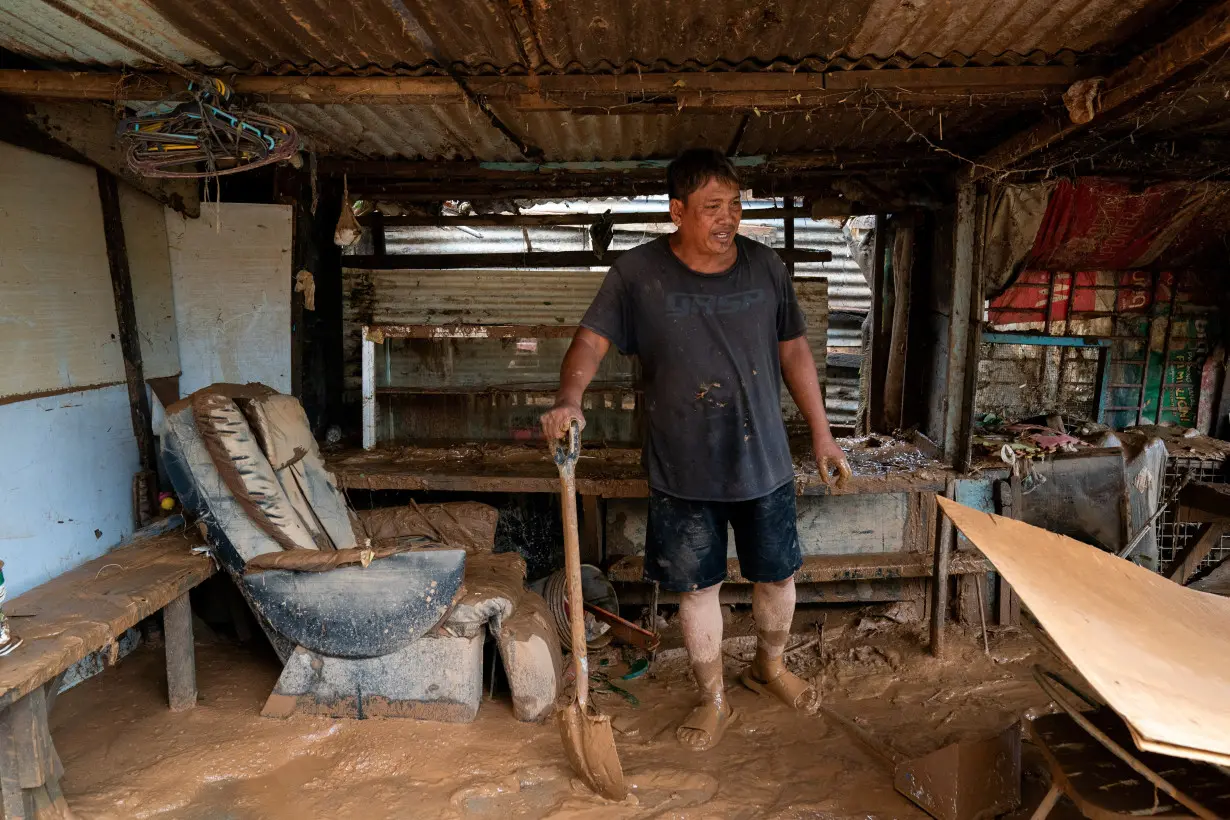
x=67, y=451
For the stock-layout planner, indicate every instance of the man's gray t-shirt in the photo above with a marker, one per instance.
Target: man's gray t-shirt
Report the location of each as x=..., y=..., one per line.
x=710, y=370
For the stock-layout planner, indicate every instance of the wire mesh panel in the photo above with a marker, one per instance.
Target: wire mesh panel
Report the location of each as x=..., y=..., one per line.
x=1175, y=536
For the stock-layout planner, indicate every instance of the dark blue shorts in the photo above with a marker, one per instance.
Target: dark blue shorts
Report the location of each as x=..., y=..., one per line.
x=685, y=541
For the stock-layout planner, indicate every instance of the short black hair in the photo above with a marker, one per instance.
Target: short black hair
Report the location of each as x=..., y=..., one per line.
x=691, y=170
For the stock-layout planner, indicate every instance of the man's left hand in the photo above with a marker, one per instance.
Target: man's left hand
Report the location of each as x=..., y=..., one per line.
x=829, y=456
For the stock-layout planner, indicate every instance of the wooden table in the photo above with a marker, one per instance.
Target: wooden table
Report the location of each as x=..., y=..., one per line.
x=64, y=620
x=608, y=472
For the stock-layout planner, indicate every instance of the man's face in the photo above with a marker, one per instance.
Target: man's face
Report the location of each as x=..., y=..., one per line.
x=709, y=219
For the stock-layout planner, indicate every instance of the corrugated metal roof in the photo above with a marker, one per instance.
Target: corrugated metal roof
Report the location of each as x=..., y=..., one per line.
x=871, y=128
x=591, y=35
x=566, y=137
x=461, y=132
x=35, y=28
x=444, y=132
x=595, y=34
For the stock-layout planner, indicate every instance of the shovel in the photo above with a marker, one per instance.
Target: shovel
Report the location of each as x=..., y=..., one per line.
x=588, y=739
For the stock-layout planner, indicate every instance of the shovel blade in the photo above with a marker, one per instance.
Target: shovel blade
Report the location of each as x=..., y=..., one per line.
x=589, y=743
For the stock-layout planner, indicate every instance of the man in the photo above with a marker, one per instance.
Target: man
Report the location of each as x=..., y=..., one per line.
x=713, y=318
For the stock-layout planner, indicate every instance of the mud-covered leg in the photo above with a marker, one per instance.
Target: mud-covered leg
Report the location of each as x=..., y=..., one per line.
x=773, y=609
x=701, y=616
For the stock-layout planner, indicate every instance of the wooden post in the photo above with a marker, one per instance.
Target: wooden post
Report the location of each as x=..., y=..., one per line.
x=899, y=329
x=881, y=311
x=963, y=333
x=1011, y=506
x=28, y=778
x=377, y=229
x=369, y=390
x=939, y=575
x=126, y=319
x=181, y=654
x=788, y=202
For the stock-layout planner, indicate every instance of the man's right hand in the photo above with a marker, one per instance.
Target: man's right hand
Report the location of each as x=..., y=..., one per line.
x=555, y=422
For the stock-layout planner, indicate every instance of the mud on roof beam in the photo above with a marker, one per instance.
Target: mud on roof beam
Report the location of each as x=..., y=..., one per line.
x=1122, y=92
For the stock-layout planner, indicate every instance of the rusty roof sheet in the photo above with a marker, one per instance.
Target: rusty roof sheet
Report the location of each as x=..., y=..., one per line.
x=478, y=36
x=437, y=132
x=37, y=29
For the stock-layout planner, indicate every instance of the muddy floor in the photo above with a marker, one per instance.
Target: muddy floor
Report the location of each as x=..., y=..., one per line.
x=126, y=756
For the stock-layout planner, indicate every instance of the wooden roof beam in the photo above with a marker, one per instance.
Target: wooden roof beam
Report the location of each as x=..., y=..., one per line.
x=621, y=93
x=1122, y=92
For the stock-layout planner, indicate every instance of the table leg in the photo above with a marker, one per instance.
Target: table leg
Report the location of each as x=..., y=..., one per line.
x=29, y=782
x=181, y=654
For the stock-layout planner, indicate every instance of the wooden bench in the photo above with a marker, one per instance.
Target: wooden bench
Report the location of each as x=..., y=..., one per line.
x=64, y=620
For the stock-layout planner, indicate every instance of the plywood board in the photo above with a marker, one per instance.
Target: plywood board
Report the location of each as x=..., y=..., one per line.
x=149, y=263
x=1156, y=652
x=57, y=312
x=231, y=277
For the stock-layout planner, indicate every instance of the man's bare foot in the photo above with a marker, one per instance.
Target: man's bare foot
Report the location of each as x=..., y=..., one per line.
x=705, y=725
x=784, y=685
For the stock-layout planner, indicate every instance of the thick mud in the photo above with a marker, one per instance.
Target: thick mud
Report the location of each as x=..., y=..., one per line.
x=126, y=756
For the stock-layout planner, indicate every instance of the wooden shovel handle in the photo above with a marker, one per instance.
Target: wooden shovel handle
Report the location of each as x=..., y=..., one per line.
x=566, y=459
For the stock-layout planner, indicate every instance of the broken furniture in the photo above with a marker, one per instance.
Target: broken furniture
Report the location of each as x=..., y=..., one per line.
x=86, y=610
x=1091, y=760
x=368, y=612
x=1156, y=653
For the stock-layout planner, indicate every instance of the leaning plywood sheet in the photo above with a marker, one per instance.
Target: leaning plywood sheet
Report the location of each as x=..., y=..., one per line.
x=1158, y=653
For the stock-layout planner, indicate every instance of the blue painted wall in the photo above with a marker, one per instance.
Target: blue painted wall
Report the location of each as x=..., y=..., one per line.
x=66, y=467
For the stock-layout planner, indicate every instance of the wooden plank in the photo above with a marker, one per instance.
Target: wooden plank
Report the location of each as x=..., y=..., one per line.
x=1200, y=501
x=610, y=472
x=181, y=654
x=818, y=569
x=1123, y=90
x=82, y=610
x=529, y=259
x=1166, y=676
x=703, y=90
x=130, y=339
x=1207, y=537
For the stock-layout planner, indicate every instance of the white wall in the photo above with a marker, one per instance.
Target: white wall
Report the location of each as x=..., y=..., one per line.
x=67, y=459
x=232, y=281
x=66, y=467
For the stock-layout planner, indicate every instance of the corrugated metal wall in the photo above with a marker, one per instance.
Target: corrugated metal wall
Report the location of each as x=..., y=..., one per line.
x=560, y=297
